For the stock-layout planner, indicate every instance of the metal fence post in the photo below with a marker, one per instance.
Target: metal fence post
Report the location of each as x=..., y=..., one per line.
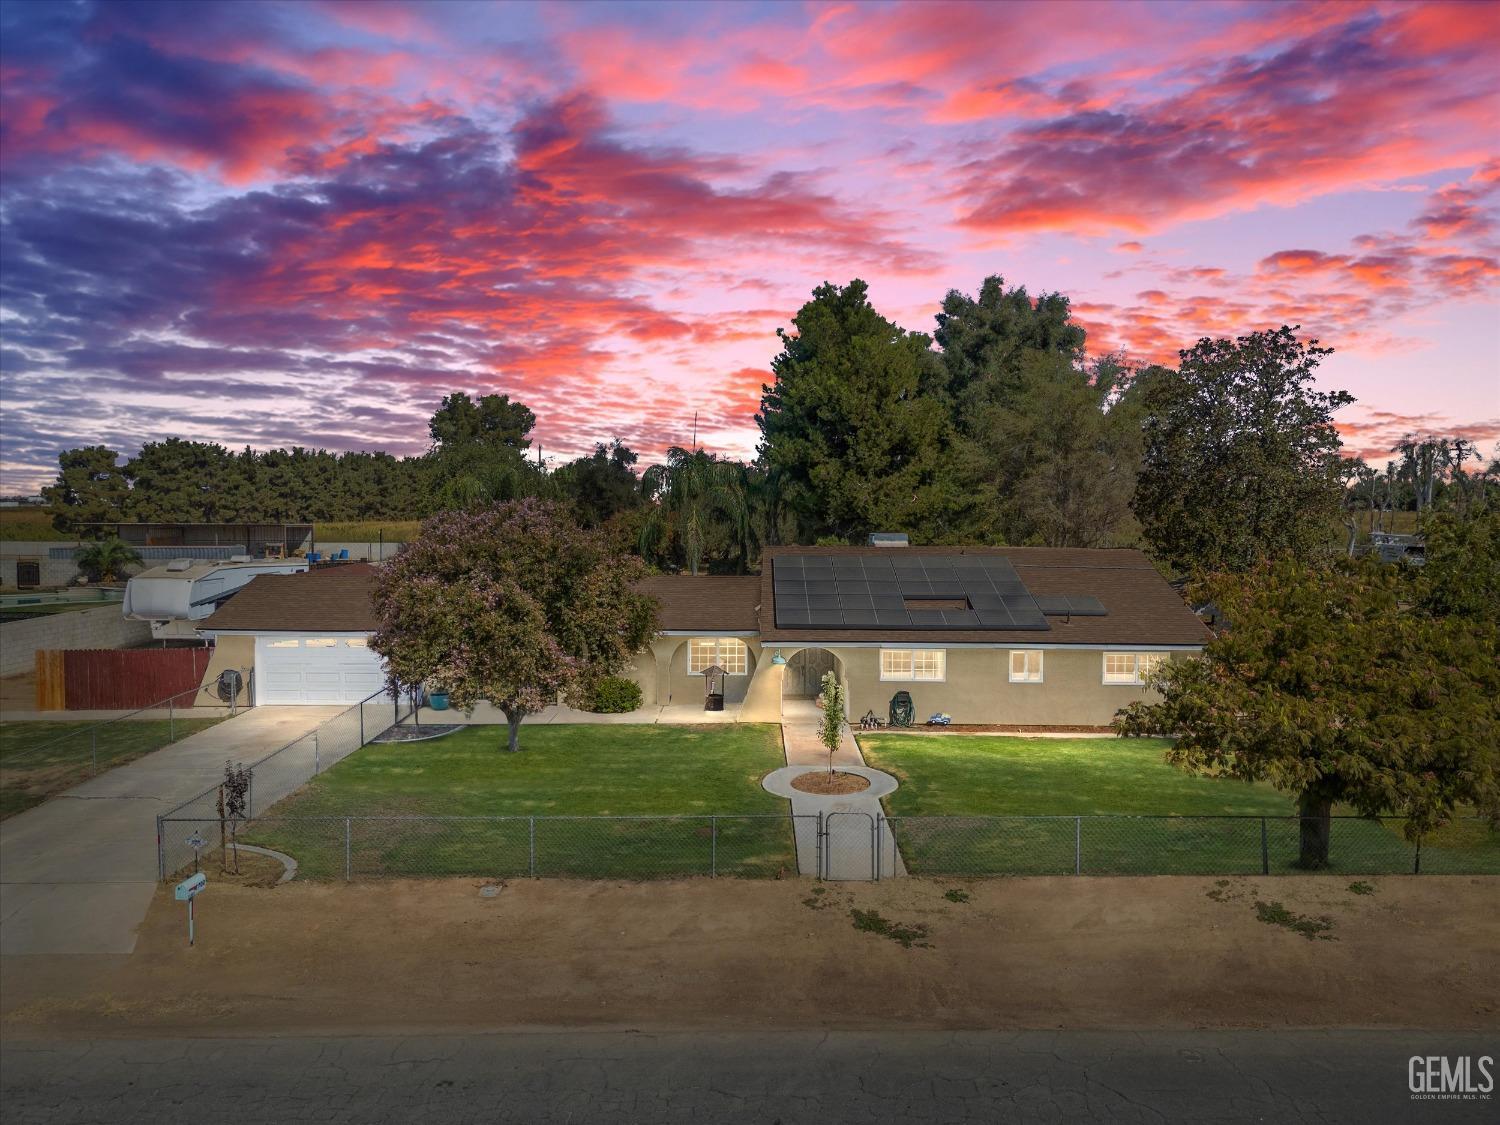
x=531, y=843
x=1416, y=868
x=361, y=724
x=161, y=855
x=94, y=750
x=1265, y=849
x=713, y=847
x=348, y=850
x=315, y=742
x=171, y=725
x=821, y=860
x=1078, y=845
x=250, y=794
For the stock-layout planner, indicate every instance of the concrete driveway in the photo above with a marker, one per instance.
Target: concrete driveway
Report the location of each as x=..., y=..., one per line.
x=77, y=873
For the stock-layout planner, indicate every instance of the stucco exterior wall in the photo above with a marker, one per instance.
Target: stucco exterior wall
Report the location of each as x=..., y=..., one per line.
x=229, y=652
x=663, y=674
x=977, y=689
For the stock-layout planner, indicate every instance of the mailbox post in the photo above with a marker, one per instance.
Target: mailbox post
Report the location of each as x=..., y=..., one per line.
x=187, y=890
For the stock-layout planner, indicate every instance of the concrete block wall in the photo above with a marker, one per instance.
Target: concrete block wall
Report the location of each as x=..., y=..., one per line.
x=104, y=627
x=55, y=572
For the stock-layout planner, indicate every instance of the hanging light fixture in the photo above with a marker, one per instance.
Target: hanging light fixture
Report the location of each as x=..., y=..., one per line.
x=778, y=659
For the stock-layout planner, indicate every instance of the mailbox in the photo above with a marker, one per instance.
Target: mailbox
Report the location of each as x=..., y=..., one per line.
x=190, y=887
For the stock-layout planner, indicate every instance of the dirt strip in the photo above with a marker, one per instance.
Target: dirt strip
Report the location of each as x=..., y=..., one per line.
x=1005, y=953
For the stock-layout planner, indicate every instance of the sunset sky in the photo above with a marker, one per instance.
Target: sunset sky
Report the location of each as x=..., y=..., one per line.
x=303, y=223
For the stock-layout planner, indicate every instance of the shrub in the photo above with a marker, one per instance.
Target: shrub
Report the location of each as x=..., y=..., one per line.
x=613, y=695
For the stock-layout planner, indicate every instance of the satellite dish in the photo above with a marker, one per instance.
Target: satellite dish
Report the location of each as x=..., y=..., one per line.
x=229, y=684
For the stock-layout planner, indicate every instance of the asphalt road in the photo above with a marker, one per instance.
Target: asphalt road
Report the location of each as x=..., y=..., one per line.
x=761, y=1077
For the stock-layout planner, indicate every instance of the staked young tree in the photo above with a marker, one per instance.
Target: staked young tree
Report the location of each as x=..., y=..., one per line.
x=511, y=603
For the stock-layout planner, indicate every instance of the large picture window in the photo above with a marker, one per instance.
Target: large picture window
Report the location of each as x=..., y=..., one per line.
x=1026, y=666
x=729, y=653
x=913, y=664
x=1130, y=667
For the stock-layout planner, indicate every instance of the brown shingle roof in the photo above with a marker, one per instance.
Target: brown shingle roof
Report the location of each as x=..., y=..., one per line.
x=1142, y=608
x=329, y=602
x=724, y=603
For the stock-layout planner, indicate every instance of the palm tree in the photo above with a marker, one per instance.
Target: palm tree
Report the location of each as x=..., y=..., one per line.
x=107, y=559
x=701, y=494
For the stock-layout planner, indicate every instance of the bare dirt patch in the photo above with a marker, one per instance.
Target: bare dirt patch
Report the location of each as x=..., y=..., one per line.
x=701, y=954
x=830, y=784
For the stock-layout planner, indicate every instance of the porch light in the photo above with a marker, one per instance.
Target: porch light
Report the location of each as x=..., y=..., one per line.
x=778, y=659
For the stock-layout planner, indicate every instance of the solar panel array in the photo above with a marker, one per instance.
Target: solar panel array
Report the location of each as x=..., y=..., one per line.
x=861, y=592
x=1071, y=605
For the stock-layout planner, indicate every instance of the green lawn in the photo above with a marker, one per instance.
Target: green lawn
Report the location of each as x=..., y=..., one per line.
x=1017, y=800
x=654, y=772
x=38, y=759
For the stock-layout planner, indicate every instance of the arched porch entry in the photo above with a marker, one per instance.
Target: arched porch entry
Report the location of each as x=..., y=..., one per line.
x=681, y=662
x=805, y=669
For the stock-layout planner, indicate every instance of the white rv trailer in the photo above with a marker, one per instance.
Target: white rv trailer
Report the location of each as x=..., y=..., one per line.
x=176, y=596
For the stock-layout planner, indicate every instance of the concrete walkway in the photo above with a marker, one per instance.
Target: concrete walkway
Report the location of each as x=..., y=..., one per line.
x=77, y=873
x=850, y=822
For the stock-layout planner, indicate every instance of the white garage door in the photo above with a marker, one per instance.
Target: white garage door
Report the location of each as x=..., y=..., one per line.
x=315, y=669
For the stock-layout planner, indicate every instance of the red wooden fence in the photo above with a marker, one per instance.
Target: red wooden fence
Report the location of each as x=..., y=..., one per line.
x=116, y=679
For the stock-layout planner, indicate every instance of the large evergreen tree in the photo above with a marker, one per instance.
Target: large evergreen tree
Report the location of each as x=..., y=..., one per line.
x=855, y=425
x=1241, y=458
x=91, y=487
x=1056, y=463
x=985, y=340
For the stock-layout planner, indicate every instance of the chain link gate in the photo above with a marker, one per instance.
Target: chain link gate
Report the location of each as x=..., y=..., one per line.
x=848, y=849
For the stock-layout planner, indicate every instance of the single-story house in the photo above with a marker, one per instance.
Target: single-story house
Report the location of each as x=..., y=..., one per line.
x=1013, y=636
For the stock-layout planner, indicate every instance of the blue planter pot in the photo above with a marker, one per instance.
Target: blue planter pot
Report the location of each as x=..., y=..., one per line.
x=437, y=700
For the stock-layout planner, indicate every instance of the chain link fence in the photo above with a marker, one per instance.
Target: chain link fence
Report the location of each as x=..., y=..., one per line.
x=656, y=847
x=587, y=847
x=283, y=771
x=1182, y=845
x=45, y=756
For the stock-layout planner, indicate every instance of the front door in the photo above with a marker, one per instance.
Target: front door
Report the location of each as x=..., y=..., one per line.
x=805, y=671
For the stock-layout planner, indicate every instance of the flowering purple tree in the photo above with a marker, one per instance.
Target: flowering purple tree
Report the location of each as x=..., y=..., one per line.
x=513, y=604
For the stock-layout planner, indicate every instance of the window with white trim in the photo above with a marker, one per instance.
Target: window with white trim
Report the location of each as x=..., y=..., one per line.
x=1130, y=667
x=285, y=644
x=1026, y=666
x=913, y=664
x=729, y=653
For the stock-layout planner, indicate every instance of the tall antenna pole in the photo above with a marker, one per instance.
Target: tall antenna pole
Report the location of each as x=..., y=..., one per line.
x=695, y=431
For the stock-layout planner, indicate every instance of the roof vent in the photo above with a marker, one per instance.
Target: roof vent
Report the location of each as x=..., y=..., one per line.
x=888, y=539
x=179, y=564
x=241, y=558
